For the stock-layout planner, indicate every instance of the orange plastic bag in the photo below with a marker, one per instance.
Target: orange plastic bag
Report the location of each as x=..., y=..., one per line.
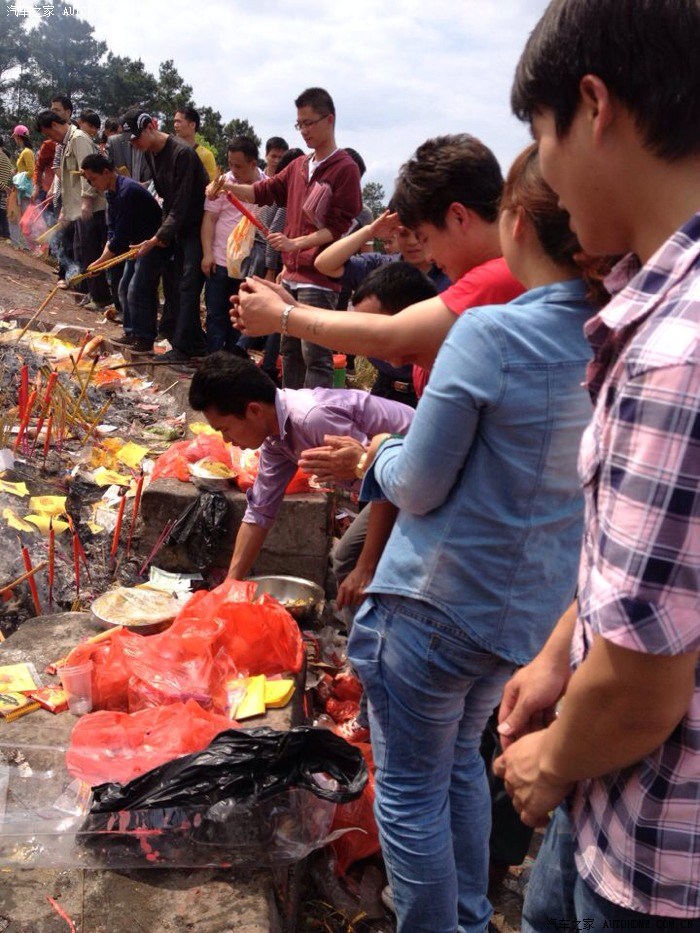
x=112, y=746
x=173, y=463
x=353, y=846
x=245, y=464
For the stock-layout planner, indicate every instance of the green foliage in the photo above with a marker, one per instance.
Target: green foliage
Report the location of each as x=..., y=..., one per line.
x=212, y=133
x=172, y=95
x=125, y=83
x=241, y=128
x=373, y=196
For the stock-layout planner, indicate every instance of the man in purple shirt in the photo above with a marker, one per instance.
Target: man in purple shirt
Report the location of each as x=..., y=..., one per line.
x=238, y=399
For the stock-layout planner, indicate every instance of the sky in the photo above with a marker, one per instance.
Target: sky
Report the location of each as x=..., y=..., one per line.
x=398, y=72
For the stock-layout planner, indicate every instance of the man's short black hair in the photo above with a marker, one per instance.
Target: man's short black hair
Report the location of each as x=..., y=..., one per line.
x=229, y=383
x=289, y=156
x=395, y=286
x=64, y=101
x=96, y=162
x=645, y=51
x=191, y=115
x=445, y=170
x=112, y=125
x=316, y=98
x=47, y=118
x=276, y=142
x=245, y=145
x=357, y=159
x=89, y=116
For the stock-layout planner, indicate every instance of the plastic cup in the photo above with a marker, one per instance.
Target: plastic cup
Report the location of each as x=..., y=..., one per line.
x=77, y=682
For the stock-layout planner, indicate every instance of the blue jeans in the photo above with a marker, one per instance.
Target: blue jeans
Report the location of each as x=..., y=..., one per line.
x=218, y=289
x=556, y=892
x=430, y=691
x=138, y=294
x=307, y=365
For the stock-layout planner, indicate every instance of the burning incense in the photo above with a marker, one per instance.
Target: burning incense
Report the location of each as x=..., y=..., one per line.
x=81, y=350
x=52, y=560
x=50, y=386
x=47, y=234
x=25, y=420
x=134, y=513
x=103, y=266
x=32, y=582
x=97, y=420
x=36, y=315
x=28, y=574
x=23, y=390
x=162, y=538
x=117, y=531
x=240, y=206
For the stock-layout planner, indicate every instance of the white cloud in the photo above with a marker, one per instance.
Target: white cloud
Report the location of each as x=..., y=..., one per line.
x=399, y=73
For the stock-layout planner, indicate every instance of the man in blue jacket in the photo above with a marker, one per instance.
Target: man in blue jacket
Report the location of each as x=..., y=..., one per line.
x=133, y=216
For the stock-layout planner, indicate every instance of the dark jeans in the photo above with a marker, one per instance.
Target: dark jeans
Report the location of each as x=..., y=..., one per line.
x=167, y=317
x=307, y=365
x=218, y=289
x=271, y=347
x=90, y=239
x=557, y=892
x=63, y=246
x=138, y=295
x=188, y=337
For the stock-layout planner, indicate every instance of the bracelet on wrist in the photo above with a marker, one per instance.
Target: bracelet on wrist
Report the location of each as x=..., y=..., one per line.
x=284, y=323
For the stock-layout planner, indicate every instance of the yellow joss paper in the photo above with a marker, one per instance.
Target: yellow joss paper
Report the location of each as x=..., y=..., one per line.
x=278, y=693
x=14, y=489
x=104, y=477
x=95, y=529
x=132, y=454
x=14, y=521
x=48, y=505
x=43, y=521
x=253, y=703
x=199, y=427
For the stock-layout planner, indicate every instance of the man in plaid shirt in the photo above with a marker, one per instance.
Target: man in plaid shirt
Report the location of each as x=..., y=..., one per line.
x=610, y=88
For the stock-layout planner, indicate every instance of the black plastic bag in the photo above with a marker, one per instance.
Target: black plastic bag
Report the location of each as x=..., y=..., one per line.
x=252, y=764
x=202, y=528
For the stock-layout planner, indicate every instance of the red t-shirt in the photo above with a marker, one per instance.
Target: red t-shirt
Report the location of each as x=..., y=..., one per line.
x=491, y=283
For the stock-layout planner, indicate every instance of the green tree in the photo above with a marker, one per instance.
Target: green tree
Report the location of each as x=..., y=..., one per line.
x=65, y=57
x=212, y=133
x=13, y=56
x=242, y=128
x=172, y=95
x=125, y=83
x=373, y=196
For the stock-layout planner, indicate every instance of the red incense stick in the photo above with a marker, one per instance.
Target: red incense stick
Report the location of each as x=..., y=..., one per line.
x=240, y=206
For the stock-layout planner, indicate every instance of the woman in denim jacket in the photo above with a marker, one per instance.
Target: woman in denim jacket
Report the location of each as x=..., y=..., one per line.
x=481, y=562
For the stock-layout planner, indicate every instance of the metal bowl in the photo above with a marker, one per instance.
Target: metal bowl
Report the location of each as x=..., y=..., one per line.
x=303, y=599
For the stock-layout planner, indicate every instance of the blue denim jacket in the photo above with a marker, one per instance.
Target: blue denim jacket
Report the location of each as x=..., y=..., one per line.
x=490, y=520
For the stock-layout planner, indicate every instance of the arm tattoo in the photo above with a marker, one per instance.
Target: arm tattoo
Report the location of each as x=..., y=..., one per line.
x=315, y=327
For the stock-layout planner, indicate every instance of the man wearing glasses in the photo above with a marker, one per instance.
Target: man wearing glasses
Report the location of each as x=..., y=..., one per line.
x=322, y=195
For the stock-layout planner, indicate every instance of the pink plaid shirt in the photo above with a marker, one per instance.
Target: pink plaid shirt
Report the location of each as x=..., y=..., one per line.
x=638, y=830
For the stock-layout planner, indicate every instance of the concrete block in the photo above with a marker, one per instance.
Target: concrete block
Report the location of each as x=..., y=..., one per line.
x=297, y=545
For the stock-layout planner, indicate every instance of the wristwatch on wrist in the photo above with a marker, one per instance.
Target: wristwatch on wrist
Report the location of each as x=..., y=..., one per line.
x=285, y=319
x=360, y=468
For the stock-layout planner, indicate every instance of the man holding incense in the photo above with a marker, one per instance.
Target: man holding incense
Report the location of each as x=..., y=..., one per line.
x=180, y=179
x=134, y=216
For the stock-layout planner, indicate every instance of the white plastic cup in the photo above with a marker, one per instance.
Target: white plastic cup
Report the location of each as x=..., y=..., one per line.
x=77, y=682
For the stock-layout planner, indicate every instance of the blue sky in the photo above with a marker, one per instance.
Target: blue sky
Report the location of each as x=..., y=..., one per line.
x=399, y=72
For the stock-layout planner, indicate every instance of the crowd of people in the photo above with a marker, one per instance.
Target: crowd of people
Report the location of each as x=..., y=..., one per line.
x=529, y=455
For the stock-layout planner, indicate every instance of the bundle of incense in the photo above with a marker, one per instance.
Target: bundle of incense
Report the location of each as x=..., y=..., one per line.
x=47, y=234
x=98, y=418
x=83, y=388
x=117, y=531
x=8, y=587
x=162, y=538
x=51, y=385
x=32, y=582
x=103, y=266
x=18, y=713
x=134, y=512
x=240, y=206
x=36, y=315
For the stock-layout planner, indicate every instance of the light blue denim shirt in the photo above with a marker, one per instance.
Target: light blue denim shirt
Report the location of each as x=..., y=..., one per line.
x=490, y=521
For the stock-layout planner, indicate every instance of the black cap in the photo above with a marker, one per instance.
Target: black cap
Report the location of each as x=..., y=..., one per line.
x=135, y=121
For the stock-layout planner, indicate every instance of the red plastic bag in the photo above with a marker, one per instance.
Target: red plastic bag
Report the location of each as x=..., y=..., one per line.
x=353, y=846
x=245, y=464
x=112, y=746
x=173, y=463
x=32, y=223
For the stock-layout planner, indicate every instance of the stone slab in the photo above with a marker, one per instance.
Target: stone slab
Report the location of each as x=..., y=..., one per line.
x=163, y=900
x=298, y=544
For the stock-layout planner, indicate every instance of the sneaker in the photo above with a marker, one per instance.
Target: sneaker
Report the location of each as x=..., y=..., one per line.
x=126, y=340
x=388, y=899
x=134, y=343
x=352, y=731
x=94, y=306
x=177, y=356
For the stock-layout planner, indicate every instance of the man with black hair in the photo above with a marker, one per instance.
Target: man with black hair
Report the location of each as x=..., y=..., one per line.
x=220, y=218
x=275, y=148
x=186, y=124
x=82, y=206
x=180, y=179
x=609, y=88
x=133, y=216
x=321, y=193
x=239, y=400
x=89, y=122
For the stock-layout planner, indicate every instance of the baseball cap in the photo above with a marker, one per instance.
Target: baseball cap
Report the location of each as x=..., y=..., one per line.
x=135, y=121
x=20, y=130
